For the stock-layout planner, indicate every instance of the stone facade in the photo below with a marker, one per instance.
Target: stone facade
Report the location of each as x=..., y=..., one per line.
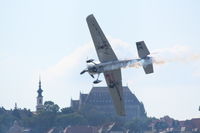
x=99, y=98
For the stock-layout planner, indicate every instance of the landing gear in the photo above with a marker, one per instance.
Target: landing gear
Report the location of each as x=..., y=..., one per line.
x=92, y=75
x=97, y=80
x=90, y=61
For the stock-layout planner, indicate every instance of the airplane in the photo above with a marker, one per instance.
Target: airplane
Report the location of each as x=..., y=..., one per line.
x=110, y=66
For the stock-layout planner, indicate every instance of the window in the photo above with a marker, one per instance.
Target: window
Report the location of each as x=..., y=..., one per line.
x=40, y=101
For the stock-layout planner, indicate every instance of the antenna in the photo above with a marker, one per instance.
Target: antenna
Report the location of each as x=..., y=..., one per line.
x=39, y=77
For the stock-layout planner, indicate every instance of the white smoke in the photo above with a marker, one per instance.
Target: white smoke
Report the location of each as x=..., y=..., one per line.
x=122, y=64
x=67, y=63
x=78, y=56
x=177, y=53
x=124, y=50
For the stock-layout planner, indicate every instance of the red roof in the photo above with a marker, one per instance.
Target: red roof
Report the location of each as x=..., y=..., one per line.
x=196, y=123
x=193, y=123
x=81, y=129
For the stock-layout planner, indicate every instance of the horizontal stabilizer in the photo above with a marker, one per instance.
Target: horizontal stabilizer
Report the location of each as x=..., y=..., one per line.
x=148, y=68
x=142, y=49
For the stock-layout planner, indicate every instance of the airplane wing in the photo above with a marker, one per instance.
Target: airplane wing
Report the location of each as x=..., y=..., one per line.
x=102, y=46
x=114, y=82
x=105, y=54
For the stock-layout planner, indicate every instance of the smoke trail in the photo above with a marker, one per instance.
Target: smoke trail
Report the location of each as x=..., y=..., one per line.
x=135, y=65
x=158, y=61
x=177, y=53
x=181, y=59
x=168, y=55
x=164, y=60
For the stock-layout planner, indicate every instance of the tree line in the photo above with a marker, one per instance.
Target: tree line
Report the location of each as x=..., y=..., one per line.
x=52, y=116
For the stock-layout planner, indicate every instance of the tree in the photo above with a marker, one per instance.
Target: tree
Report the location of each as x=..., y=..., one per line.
x=16, y=113
x=175, y=124
x=138, y=125
x=135, y=126
x=6, y=121
x=2, y=110
x=64, y=120
x=161, y=125
x=95, y=116
x=49, y=106
x=67, y=110
x=43, y=121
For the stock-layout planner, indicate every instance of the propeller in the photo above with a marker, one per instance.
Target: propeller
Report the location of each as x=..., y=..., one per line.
x=87, y=61
x=86, y=70
x=83, y=72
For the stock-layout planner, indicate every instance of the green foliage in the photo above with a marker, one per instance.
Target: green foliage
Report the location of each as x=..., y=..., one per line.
x=64, y=120
x=95, y=117
x=2, y=110
x=161, y=125
x=6, y=121
x=175, y=124
x=138, y=125
x=49, y=106
x=51, y=117
x=67, y=110
x=16, y=113
x=43, y=121
x=135, y=126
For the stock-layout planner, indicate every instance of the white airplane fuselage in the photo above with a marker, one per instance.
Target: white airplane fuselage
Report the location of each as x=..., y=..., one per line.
x=113, y=65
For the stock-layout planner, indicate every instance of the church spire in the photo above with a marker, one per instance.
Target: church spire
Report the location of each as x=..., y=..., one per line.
x=39, y=105
x=40, y=88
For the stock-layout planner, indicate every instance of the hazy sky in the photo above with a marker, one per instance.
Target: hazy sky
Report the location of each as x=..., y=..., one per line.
x=52, y=38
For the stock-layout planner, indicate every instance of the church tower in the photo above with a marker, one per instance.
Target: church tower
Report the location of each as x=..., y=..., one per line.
x=39, y=105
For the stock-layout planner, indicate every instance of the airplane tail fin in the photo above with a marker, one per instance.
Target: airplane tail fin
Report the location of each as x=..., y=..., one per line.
x=148, y=68
x=142, y=49
x=143, y=53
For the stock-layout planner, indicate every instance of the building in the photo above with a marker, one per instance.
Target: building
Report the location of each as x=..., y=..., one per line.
x=16, y=128
x=193, y=124
x=39, y=105
x=99, y=99
x=81, y=129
